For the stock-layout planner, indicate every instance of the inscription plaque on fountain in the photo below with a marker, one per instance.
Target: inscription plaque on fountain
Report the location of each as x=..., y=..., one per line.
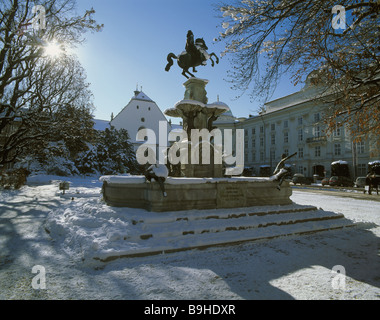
x=231, y=195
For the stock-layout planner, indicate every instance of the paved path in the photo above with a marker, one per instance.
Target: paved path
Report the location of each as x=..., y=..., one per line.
x=339, y=192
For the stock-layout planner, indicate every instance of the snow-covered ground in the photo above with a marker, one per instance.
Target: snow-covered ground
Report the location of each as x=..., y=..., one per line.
x=297, y=267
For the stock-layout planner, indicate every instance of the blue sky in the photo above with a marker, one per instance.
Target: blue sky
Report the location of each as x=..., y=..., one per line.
x=134, y=44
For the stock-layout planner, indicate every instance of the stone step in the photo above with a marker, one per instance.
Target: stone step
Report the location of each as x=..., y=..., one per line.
x=221, y=214
x=232, y=222
x=167, y=233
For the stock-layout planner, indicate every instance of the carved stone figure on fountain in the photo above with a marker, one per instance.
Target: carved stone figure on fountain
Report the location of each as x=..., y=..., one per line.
x=281, y=170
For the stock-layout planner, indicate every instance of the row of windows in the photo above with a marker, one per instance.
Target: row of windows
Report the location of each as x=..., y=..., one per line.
x=138, y=107
x=337, y=151
x=285, y=136
x=317, y=128
x=300, y=135
x=300, y=122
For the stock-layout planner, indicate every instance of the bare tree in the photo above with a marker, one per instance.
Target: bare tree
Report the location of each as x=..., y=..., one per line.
x=267, y=38
x=33, y=84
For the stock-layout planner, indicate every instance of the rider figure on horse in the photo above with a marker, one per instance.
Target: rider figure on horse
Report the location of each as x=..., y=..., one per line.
x=195, y=49
x=195, y=54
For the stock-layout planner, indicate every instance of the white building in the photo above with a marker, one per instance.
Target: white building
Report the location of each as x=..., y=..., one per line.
x=140, y=113
x=293, y=124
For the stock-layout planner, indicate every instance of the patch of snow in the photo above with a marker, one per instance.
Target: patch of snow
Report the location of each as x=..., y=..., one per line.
x=188, y=101
x=123, y=179
x=298, y=267
x=160, y=170
x=131, y=179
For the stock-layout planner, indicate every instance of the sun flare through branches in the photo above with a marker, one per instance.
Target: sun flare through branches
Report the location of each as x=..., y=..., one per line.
x=53, y=49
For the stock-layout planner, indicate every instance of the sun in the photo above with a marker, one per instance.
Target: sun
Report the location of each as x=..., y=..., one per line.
x=53, y=49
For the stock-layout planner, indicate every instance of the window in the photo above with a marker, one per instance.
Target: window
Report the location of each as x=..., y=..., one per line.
x=286, y=137
x=253, y=131
x=261, y=156
x=273, y=126
x=317, y=117
x=317, y=151
x=286, y=152
x=362, y=169
x=300, y=135
x=317, y=131
x=142, y=128
x=142, y=119
x=253, y=143
x=261, y=141
x=337, y=131
x=337, y=149
x=300, y=169
x=273, y=154
x=360, y=147
x=286, y=124
x=273, y=138
x=300, y=120
x=137, y=107
x=261, y=129
x=300, y=153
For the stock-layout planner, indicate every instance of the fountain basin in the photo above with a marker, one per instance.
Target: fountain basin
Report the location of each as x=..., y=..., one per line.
x=193, y=193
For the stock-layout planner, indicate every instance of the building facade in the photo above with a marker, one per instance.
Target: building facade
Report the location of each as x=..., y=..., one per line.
x=294, y=124
x=141, y=113
x=290, y=124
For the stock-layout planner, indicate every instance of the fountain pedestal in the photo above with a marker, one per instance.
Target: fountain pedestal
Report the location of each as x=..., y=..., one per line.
x=196, y=90
x=197, y=114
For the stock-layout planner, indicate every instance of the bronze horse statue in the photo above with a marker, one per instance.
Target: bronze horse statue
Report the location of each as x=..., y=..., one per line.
x=195, y=55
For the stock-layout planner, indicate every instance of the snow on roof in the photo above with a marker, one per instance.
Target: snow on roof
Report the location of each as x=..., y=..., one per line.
x=339, y=162
x=101, y=125
x=139, y=95
x=176, y=127
x=220, y=103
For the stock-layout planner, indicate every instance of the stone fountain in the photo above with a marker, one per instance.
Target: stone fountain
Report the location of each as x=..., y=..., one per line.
x=199, y=186
x=205, y=205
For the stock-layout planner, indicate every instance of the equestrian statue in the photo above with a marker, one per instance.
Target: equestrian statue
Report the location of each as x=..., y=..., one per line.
x=195, y=54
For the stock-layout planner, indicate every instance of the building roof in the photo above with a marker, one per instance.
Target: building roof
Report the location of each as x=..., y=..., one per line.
x=139, y=95
x=226, y=116
x=101, y=125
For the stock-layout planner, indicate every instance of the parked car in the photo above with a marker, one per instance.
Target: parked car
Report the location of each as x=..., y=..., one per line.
x=341, y=181
x=325, y=181
x=360, y=182
x=301, y=179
